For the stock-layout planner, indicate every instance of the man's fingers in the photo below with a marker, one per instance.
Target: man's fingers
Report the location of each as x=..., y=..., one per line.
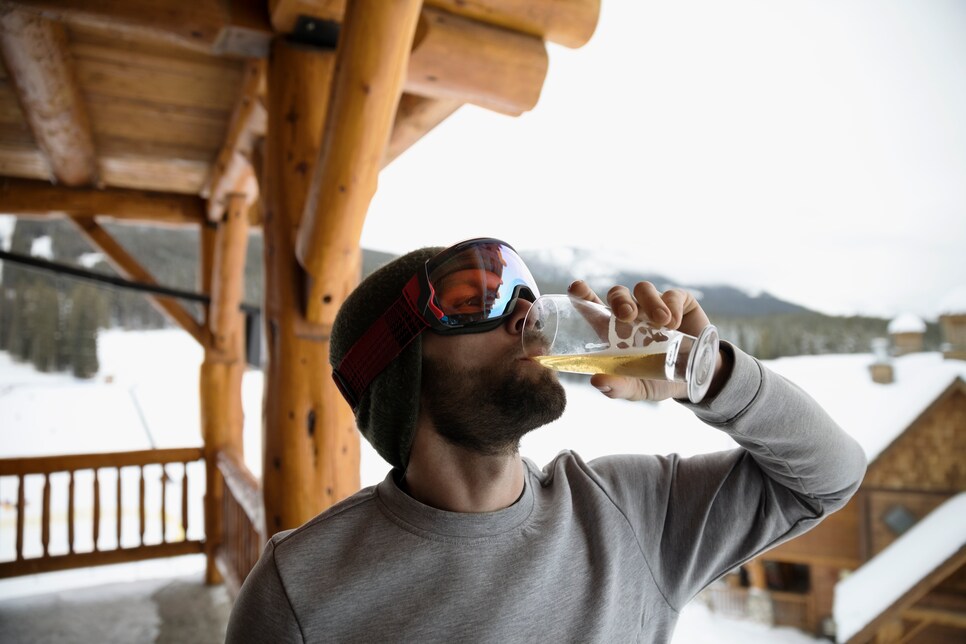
x=650, y=301
x=677, y=302
x=582, y=290
x=622, y=303
x=687, y=314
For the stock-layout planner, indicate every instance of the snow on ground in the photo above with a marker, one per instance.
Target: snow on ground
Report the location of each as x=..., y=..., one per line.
x=146, y=395
x=884, y=579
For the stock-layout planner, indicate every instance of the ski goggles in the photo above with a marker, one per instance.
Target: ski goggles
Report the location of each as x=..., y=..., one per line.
x=468, y=288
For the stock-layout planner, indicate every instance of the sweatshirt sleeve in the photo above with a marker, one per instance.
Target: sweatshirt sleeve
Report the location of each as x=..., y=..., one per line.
x=701, y=517
x=262, y=611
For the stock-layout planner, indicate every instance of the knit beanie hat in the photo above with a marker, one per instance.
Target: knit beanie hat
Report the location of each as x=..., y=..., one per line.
x=386, y=413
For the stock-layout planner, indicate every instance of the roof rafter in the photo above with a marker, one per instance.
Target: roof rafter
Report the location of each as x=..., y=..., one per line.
x=36, y=56
x=248, y=122
x=125, y=264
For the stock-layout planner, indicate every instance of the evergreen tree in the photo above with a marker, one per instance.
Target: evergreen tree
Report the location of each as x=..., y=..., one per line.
x=88, y=312
x=44, y=322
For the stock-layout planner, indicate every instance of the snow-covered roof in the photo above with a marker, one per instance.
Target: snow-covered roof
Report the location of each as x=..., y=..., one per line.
x=954, y=303
x=884, y=579
x=907, y=323
x=874, y=414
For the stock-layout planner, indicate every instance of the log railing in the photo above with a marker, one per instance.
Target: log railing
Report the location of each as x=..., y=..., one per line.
x=240, y=538
x=793, y=609
x=102, y=523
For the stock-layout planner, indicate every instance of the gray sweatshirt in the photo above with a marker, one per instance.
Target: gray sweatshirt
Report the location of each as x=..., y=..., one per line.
x=603, y=551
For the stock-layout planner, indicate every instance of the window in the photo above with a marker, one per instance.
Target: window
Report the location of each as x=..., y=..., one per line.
x=899, y=519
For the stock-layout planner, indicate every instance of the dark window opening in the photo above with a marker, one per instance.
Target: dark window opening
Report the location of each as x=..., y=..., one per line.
x=899, y=519
x=787, y=577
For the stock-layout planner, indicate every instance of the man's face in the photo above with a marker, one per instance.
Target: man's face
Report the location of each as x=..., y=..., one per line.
x=480, y=391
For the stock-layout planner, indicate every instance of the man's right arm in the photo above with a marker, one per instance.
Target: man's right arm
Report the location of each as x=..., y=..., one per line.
x=702, y=516
x=262, y=611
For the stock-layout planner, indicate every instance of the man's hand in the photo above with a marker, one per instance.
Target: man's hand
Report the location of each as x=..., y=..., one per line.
x=673, y=309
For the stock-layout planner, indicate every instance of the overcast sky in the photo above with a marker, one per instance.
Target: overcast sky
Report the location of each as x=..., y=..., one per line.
x=815, y=150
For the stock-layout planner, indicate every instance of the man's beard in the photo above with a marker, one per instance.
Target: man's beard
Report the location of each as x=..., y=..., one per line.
x=489, y=410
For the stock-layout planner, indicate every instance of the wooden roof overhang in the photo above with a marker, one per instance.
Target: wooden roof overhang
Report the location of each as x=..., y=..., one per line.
x=274, y=113
x=169, y=96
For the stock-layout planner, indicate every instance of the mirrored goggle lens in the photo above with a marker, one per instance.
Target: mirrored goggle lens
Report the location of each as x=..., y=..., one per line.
x=477, y=283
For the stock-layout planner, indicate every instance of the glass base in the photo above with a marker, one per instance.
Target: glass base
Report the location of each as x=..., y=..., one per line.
x=701, y=362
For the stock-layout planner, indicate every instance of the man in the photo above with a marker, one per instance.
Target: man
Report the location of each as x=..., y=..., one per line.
x=466, y=541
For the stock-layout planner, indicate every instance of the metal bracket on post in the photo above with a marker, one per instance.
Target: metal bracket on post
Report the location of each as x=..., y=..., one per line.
x=316, y=32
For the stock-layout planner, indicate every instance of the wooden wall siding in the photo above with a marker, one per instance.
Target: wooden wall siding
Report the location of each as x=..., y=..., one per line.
x=834, y=542
x=954, y=333
x=907, y=342
x=930, y=456
x=823, y=580
x=880, y=502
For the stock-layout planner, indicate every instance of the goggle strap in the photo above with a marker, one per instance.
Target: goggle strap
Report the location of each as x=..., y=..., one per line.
x=380, y=344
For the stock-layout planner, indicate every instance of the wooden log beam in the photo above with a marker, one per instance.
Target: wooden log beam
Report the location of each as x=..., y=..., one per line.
x=372, y=58
x=225, y=319
x=566, y=22
x=486, y=52
x=128, y=267
x=247, y=124
x=461, y=59
x=28, y=197
x=311, y=448
x=237, y=28
x=942, y=616
x=35, y=53
x=415, y=117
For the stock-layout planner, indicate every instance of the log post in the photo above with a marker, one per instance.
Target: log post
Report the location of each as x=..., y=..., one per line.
x=222, y=269
x=756, y=574
x=373, y=55
x=311, y=446
x=227, y=288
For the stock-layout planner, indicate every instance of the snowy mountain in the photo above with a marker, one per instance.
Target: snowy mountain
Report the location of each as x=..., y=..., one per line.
x=554, y=269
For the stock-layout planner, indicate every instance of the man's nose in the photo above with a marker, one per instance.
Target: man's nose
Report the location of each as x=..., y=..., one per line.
x=515, y=324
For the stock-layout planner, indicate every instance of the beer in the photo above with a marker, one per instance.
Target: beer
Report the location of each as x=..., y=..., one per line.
x=650, y=366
